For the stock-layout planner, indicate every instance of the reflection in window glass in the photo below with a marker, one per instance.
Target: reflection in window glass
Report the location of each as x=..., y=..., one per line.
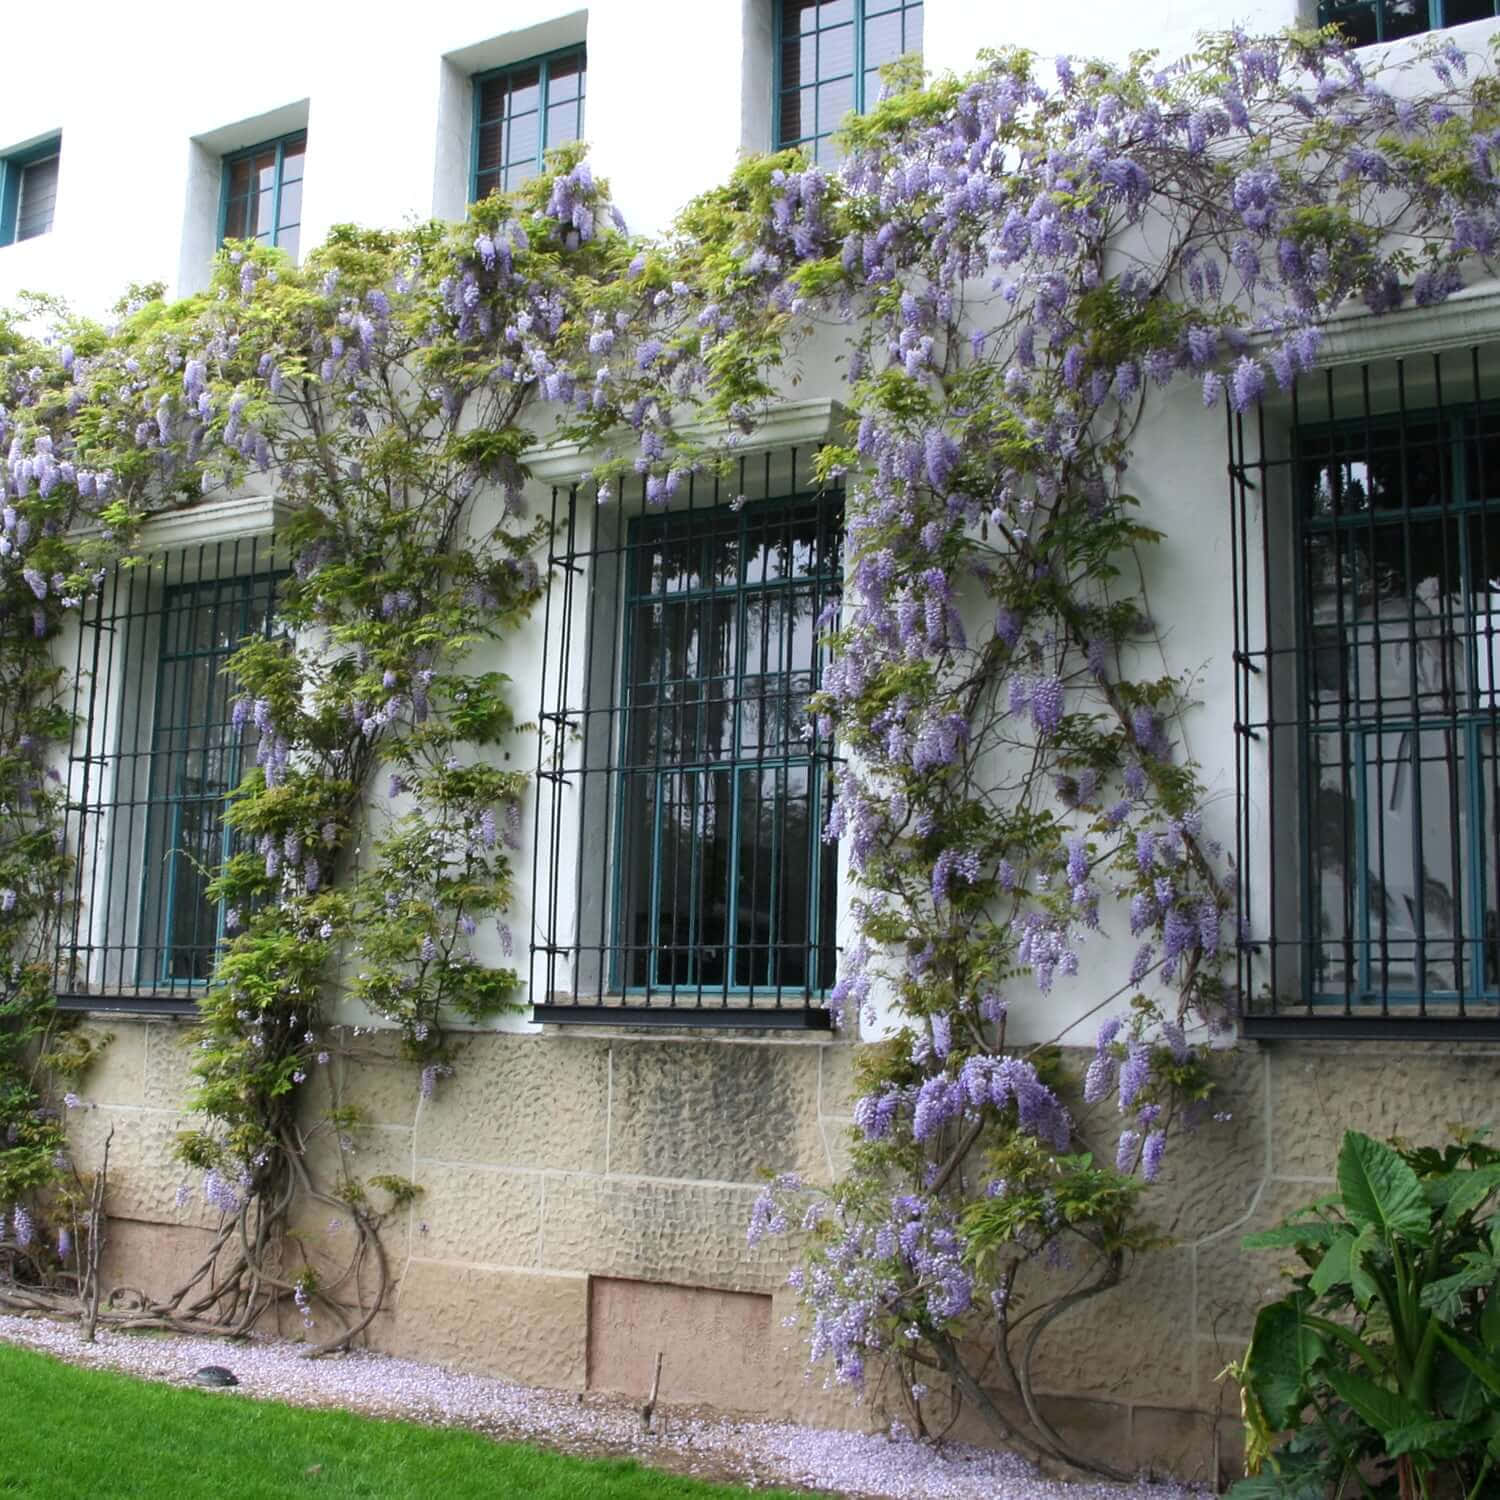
x=829, y=57
x=1400, y=557
x=724, y=881
x=1367, y=21
x=263, y=194
x=520, y=113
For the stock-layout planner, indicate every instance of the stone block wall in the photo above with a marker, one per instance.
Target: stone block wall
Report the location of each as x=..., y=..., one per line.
x=585, y=1198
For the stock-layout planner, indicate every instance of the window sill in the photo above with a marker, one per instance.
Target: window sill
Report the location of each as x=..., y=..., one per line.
x=132, y=1003
x=1302, y=1026
x=622, y=1013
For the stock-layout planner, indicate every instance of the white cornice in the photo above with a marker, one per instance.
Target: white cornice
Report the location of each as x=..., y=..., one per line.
x=1470, y=316
x=234, y=518
x=793, y=424
x=210, y=522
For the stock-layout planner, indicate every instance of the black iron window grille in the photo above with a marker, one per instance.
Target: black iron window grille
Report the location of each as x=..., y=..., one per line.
x=154, y=758
x=1366, y=540
x=680, y=875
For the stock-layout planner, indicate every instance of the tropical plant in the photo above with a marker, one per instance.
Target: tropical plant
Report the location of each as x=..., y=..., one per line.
x=1379, y=1371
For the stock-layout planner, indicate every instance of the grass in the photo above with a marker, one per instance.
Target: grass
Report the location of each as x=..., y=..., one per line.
x=71, y=1432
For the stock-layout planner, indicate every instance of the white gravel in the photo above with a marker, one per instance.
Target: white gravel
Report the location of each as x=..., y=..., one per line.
x=687, y=1440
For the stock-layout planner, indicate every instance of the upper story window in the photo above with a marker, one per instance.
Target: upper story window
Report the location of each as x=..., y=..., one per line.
x=1373, y=709
x=1366, y=21
x=28, y=190
x=263, y=193
x=520, y=112
x=828, y=59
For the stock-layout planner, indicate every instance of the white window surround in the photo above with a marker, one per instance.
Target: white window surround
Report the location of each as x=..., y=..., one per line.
x=455, y=123
x=791, y=424
x=205, y=184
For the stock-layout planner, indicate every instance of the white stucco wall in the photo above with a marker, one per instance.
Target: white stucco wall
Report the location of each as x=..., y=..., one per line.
x=676, y=90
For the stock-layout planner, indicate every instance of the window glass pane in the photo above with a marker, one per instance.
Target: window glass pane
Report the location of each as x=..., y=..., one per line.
x=291, y=206
x=835, y=100
x=492, y=99
x=524, y=89
x=883, y=39
x=564, y=78
x=196, y=760
x=799, y=61
x=290, y=240
x=239, y=178
x=797, y=116
x=1415, y=837
x=721, y=661
x=562, y=123
x=1457, y=12
x=1403, y=18
x=263, y=170
x=1376, y=469
x=1355, y=18
x=521, y=141
x=835, y=12
x=490, y=137
x=38, y=194
x=798, y=16
x=292, y=156
x=835, y=52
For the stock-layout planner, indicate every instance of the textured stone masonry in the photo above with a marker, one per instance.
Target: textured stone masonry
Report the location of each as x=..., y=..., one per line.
x=585, y=1199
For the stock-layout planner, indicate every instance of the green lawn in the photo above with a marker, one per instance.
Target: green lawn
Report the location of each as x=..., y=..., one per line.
x=94, y=1435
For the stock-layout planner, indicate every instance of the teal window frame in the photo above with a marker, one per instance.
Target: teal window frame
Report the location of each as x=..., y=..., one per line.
x=170, y=808
x=831, y=16
x=13, y=167
x=1374, y=11
x=1468, y=502
x=278, y=230
x=544, y=63
x=812, y=757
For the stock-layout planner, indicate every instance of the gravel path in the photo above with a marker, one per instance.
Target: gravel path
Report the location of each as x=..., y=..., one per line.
x=691, y=1442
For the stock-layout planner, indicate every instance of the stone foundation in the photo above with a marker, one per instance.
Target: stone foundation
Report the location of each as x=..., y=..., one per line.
x=585, y=1201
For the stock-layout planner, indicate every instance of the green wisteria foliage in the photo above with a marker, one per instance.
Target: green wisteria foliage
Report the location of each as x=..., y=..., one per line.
x=1012, y=267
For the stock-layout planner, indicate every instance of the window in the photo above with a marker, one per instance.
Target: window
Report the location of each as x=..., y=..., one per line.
x=262, y=198
x=685, y=646
x=1384, y=663
x=28, y=190
x=828, y=59
x=1366, y=21
x=521, y=112
x=155, y=758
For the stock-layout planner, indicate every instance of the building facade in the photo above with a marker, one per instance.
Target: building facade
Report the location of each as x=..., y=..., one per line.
x=589, y=1170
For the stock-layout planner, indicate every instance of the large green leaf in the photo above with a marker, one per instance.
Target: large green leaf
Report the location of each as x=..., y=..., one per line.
x=1366, y=1244
x=1277, y=1363
x=1489, y=1319
x=1445, y=1296
x=1485, y=1369
x=1469, y=1190
x=1289, y=1236
x=1333, y=1269
x=1378, y=1407
x=1437, y=1439
x=1269, y=1485
x=1380, y=1189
